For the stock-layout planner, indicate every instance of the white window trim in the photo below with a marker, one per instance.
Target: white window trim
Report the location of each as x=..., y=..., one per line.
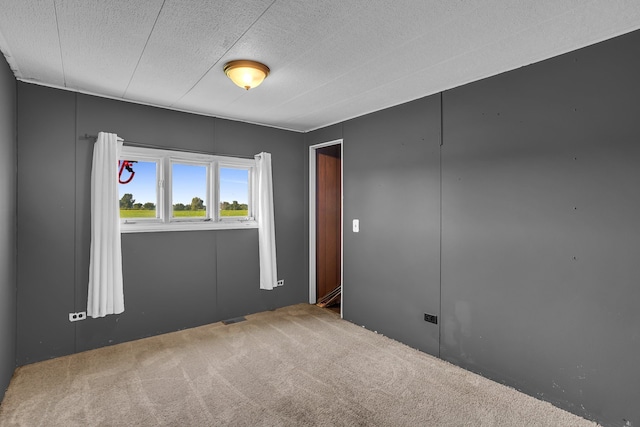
x=208, y=200
x=233, y=163
x=212, y=220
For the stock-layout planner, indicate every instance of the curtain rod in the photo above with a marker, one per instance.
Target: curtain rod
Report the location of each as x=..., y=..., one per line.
x=183, y=150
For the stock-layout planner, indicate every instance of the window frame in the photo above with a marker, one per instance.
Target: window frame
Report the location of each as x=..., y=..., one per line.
x=165, y=159
x=148, y=158
x=209, y=165
x=252, y=201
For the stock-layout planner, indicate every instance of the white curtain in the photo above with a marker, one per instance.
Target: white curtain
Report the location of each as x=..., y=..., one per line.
x=106, y=294
x=266, y=224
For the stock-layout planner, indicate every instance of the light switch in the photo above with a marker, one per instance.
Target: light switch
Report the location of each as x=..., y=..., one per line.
x=356, y=225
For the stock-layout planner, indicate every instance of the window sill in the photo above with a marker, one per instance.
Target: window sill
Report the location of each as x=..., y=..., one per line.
x=142, y=227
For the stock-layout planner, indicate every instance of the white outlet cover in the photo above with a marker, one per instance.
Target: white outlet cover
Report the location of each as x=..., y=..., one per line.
x=74, y=317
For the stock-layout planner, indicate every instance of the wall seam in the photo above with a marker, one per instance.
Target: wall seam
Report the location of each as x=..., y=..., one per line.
x=75, y=221
x=15, y=242
x=440, y=250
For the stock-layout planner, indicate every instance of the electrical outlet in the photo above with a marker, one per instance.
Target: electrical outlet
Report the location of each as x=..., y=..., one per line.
x=74, y=317
x=431, y=318
x=281, y=282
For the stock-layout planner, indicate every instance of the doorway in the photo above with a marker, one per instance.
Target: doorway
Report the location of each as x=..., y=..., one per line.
x=325, y=219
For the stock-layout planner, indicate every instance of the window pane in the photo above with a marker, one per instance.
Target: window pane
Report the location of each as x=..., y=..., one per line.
x=234, y=192
x=139, y=196
x=189, y=190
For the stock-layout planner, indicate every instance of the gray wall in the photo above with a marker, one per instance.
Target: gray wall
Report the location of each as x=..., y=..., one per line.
x=7, y=225
x=391, y=181
x=173, y=280
x=541, y=236
x=539, y=227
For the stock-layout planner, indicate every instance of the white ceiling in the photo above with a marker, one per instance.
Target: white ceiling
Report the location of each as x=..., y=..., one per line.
x=330, y=60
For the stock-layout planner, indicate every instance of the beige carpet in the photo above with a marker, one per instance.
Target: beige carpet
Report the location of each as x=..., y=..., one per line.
x=296, y=366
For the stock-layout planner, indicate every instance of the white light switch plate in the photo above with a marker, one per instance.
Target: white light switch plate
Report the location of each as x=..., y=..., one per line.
x=356, y=225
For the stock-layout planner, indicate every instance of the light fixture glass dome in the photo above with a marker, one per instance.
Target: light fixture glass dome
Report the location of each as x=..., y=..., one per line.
x=246, y=74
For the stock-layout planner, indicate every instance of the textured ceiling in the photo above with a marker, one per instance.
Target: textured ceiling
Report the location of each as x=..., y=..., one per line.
x=331, y=60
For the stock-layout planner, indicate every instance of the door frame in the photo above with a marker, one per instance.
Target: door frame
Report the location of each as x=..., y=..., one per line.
x=312, y=219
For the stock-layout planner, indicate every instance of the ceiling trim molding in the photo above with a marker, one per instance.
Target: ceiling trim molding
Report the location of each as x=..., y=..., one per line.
x=149, y=104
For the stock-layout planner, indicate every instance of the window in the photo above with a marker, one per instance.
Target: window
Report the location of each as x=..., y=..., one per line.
x=234, y=192
x=162, y=190
x=138, y=189
x=189, y=191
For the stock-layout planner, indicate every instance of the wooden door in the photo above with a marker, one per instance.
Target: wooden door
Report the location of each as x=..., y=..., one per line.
x=328, y=219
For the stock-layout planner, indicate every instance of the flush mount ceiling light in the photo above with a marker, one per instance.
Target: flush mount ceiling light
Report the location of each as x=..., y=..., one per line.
x=246, y=74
